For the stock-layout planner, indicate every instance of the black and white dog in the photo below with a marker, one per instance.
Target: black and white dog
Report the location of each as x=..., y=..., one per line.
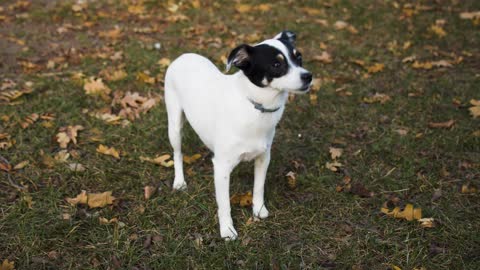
x=234, y=115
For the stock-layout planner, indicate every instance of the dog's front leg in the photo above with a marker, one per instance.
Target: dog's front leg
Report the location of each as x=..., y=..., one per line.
x=222, y=169
x=261, y=166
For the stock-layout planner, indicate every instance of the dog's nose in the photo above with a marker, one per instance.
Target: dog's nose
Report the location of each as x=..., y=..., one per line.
x=306, y=77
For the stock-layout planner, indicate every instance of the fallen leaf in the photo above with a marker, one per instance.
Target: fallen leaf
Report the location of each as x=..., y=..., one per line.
x=438, y=30
x=62, y=156
x=149, y=191
x=475, y=110
x=409, y=213
x=378, y=97
x=145, y=78
x=291, y=180
x=29, y=120
x=333, y=166
x=21, y=165
x=252, y=220
x=68, y=134
x=76, y=167
x=160, y=160
x=427, y=222
x=104, y=221
x=164, y=62
x=375, y=68
x=468, y=189
x=6, y=265
x=191, y=159
x=243, y=8
x=93, y=200
x=335, y=152
x=447, y=124
x=313, y=98
x=325, y=57
x=5, y=167
x=96, y=87
x=470, y=15
x=243, y=200
x=110, y=151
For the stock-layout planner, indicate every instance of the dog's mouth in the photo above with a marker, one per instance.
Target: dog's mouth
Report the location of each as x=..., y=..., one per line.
x=305, y=88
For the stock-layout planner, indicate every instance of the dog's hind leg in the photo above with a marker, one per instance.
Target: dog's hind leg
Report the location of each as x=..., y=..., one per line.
x=175, y=124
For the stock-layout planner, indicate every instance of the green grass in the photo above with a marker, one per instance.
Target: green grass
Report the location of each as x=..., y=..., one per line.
x=310, y=227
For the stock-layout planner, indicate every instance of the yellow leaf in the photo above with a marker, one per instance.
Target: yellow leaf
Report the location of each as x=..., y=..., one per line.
x=196, y=4
x=160, y=160
x=100, y=199
x=394, y=267
x=438, y=30
x=422, y=65
x=313, y=98
x=468, y=189
x=263, y=7
x=377, y=67
x=243, y=200
x=409, y=213
x=191, y=159
x=136, y=9
x=378, y=97
x=243, y=8
x=111, y=34
x=475, y=111
x=6, y=265
x=116, y=75
x=335, y=152
x=81, y=198
x=164, y=62
x=21, y=165
x=144, y=77
x=95, y=87
x=110, y=151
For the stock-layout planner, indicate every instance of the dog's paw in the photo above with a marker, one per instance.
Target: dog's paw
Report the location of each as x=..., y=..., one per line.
x=228, y=233
x=260, y=212
x=179, y=185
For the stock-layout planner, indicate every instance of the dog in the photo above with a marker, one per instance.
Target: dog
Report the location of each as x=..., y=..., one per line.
x=234, y=115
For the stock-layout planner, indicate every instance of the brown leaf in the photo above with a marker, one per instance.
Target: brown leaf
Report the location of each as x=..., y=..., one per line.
x=68, y=134
x=243, y=200
x=333, y=166
x=470, y=15
x=81, y=198
x=291, y=180
x=149, y=191
x=29, y=120
x=447, y=124
x=6, y=265
x=100, y=199
x=104, y=221
x=191, y=159
x=378, y=97
x=438, y=30
x=325, y=57
x=475, y=111
x=21, y=165
x=427, y=222
x=5, y=167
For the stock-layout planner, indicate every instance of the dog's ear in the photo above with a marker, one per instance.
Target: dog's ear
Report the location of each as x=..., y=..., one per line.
x=240, y=57
x=287, y=36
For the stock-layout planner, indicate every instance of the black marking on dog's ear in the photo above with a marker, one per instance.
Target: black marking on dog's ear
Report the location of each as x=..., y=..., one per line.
x=287, y=36
x=239, y=57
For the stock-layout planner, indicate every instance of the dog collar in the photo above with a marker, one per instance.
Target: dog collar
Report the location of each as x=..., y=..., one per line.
x=262, y=109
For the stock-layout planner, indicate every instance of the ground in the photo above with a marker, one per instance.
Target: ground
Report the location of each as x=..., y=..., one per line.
x=406, y=129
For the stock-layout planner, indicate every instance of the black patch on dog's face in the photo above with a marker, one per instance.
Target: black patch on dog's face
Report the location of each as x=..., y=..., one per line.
x=263, y=64
x=295, y=55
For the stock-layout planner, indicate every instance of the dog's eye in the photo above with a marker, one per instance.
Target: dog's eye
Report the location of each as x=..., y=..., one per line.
x=276, y=64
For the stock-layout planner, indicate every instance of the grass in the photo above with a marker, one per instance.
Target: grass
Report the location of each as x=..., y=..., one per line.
x=310, y=227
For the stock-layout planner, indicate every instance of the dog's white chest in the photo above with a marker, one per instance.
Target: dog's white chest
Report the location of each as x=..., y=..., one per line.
x=250, y=152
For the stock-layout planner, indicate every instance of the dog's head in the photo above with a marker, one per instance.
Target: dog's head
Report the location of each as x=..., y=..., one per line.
x=273, y=63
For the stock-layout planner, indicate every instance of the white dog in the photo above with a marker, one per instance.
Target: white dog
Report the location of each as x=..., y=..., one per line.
x=234, y=115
